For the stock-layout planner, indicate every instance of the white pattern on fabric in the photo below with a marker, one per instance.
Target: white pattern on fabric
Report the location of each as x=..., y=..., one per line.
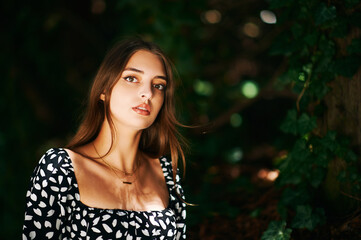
x=54, y=210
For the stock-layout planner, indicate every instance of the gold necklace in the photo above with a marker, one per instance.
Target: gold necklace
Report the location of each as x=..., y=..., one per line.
x=115, y=172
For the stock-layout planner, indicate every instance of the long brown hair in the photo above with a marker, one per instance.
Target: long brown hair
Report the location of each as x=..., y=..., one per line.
x=162, y=137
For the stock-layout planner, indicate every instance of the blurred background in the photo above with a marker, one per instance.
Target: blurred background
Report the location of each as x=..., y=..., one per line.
x=274, y=87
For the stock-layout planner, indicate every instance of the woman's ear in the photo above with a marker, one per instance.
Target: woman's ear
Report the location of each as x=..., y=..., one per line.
x=102, y=97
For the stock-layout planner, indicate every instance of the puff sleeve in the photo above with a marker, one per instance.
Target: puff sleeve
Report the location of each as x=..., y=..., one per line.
x=180, y=207
x=46, y=198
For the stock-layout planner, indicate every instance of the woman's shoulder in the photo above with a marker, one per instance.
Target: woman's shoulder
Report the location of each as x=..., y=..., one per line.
x=167, y=164
x=53, y=161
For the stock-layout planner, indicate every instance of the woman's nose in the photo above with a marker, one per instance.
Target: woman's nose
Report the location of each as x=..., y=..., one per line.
x=146, y=92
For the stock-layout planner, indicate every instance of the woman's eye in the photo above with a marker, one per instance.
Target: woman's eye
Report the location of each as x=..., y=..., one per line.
x=131, y=79
x=159, y=86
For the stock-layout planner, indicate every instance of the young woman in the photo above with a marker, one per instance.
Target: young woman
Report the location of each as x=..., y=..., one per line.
x=113, y=181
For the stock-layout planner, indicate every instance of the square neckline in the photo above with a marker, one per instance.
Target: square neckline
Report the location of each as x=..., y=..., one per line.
x=119, y=209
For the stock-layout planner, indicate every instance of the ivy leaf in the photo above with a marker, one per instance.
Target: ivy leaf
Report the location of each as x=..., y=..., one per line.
x=317, y=176
x=289, y=171
x=329, y=141
x=290, y=123
x=324, y=13
x=311, y=38
x=347, y=66
x=307, y=218
x=327, y=46
x=277, y=231
x=295, y=196
x=319, y=88
x=287, y=77
x=306, y=124
x=297, y=30
x=321, y=156
x=326, y=53
x=350, y=156
x=300, y=151
x=341, y=28
x=289, y=177
x=283, y=46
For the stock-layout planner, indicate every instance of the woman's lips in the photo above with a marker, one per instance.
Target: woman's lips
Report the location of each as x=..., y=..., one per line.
x=142, y=109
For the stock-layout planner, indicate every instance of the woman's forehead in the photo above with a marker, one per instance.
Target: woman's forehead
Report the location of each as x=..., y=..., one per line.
x=145, y=62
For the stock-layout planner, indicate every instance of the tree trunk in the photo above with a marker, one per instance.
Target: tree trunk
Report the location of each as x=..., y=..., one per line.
x=343, y=115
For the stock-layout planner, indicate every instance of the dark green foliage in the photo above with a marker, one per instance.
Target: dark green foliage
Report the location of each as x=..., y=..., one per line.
x=314, y=61
x=307, y=217
x=277, y=231
x=346, y=66
x=324, y=13
x=301, y=125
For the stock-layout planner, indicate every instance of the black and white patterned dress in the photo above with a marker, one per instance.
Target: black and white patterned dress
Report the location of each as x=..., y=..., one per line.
x=54, y=209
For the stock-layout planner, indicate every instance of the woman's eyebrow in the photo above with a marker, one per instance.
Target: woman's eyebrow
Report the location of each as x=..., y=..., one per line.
x=142, y=72
x=134, y=70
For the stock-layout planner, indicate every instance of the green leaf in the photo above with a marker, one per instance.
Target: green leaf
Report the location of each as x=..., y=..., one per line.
x=297, y=30
x=283, y=46
x=300, y=151
x=277, y=231
x=295, y=196
x=321, y=156
x=347, y=66
x=319, y=88
x=306, y=124
x=286, y=173
x=324, y=13
x=290, y=123
x=329, y=141
x=288, y=77
x=303, y=217
x=350, y=156
x=289, y=177
x=340, y=28
x=307, y=218
x=317, y=176
x=311, y=38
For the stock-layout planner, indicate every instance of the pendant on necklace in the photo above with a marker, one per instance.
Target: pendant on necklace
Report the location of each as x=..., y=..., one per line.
x=126, y=182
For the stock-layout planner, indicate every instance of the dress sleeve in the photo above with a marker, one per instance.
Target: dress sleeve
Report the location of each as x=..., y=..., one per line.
x=45, y=199
x=181, y=210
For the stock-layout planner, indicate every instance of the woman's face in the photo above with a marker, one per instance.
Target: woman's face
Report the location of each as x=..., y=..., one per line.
x=138, y=95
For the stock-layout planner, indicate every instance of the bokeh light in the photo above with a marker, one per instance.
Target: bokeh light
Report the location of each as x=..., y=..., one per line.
x=267, y=174
x=203, y=88
x=211, y=16
x=98, y=6
x=235, y=155
x=302, y=76
x=249, y=89
x=251, y=29
x=236, y=120
x=268, y=17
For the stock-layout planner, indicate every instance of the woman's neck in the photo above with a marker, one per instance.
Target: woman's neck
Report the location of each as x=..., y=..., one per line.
x=124, y=151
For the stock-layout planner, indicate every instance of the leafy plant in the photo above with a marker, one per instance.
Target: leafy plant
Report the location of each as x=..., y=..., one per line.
x=277, y=231
x=315, y=60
